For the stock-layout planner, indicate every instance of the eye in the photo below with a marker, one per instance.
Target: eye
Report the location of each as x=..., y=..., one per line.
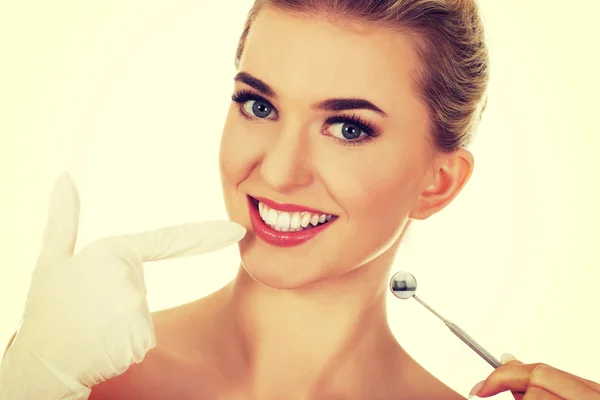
x=346, y=131
x=350, y=129
x=258, y=108
x=253, y=106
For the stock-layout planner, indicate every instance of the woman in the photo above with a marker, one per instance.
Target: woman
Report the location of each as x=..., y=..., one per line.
x=349, y=120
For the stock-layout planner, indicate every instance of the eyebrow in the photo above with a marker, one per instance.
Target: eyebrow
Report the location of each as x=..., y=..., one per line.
x=338, y=104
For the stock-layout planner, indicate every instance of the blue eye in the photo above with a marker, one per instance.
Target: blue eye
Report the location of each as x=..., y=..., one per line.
x=350, y=129
x=254, y=106
x=259, y=109
x=346, y=131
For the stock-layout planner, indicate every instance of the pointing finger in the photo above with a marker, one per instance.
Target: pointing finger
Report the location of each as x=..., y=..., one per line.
x=184, y=240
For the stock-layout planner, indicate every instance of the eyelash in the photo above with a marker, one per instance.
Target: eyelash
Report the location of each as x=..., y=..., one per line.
x=367, y=128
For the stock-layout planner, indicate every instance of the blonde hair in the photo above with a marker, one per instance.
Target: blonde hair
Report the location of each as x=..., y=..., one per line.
x=449, y=38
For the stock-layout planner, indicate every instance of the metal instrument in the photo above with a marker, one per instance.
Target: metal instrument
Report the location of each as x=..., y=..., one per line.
x=404, y=285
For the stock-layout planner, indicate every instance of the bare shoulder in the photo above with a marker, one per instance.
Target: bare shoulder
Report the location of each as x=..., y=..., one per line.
x=390, y=373
x=176, y=367
x=427, y=385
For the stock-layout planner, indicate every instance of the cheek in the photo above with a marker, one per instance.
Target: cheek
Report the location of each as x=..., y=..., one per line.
x=239, y=153
x=379, y=199
x=376, y=198
x=379, y=192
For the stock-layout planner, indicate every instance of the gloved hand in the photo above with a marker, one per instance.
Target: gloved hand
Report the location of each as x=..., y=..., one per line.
x=86, y=318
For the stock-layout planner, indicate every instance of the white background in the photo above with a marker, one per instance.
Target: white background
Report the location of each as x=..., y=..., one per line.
x=130, y=97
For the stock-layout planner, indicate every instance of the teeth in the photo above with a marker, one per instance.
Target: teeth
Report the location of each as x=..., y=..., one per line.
x=284, y=221
x=314, y=220
x=305, y=220
x=271, y=217
x=262, y=210
x=290, y=222
x=295, y=224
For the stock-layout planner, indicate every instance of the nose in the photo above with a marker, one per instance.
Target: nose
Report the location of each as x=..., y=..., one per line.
x=285, y=164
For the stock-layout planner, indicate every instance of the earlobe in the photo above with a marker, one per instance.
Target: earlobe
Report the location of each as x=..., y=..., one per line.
x=445, y=184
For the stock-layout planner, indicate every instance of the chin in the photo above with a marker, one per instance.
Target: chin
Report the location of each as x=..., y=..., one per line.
x=282, y=271
x=273, y=279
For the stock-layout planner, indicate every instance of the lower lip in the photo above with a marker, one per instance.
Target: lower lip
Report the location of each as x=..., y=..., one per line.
x=278, y=238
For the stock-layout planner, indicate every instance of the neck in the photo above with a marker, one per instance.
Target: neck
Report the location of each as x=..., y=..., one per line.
x=307, y=338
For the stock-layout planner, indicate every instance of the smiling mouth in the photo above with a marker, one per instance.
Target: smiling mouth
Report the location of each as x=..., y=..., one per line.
x=289, y=218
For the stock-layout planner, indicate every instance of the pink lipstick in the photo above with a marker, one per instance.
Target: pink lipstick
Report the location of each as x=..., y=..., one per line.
x=281, y=238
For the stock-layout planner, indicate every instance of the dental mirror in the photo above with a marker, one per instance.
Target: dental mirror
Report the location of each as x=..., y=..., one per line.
x=404, y=286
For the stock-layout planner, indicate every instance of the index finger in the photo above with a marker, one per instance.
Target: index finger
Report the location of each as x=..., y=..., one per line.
x=184, y=240
x=591, y=384
x=513, y=376
x=518, y=377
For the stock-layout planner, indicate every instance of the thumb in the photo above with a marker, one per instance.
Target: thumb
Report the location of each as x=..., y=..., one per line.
x=60, y=234
x=185, y=240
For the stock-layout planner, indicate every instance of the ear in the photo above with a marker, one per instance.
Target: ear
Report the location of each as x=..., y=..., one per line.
x=451, y=173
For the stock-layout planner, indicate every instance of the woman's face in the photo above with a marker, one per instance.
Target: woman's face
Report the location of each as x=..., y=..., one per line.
x=324, y=118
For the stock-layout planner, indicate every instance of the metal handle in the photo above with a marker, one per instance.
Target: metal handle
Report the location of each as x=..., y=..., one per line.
x=462, y=335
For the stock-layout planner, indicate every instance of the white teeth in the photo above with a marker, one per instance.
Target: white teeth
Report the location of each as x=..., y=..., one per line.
x=314, y=220
x=295, y=224
x=262, y=211
x=305, y=220
x=290, y=222
x=271, y=217
x=284, y=221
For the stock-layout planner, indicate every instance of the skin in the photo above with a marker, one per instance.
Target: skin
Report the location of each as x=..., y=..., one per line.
x=536, y=381
x=309, y=322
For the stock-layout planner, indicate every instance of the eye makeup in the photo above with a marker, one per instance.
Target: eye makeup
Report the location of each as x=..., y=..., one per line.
x=350, y=123
x=354, y=130
x=244, y=96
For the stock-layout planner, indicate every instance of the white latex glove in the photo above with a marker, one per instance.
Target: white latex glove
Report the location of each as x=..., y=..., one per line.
x=86, y=318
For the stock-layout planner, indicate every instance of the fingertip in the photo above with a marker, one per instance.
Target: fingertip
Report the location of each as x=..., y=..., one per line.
x=506, y=358
x=225, y=230
x=476, y=390
x=239, y=229
x=185, y=240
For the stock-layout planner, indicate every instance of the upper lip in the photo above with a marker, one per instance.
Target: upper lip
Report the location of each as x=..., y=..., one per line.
x=288, y=207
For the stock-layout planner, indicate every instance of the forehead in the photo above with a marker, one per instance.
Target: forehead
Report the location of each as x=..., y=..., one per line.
x=312, y=58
